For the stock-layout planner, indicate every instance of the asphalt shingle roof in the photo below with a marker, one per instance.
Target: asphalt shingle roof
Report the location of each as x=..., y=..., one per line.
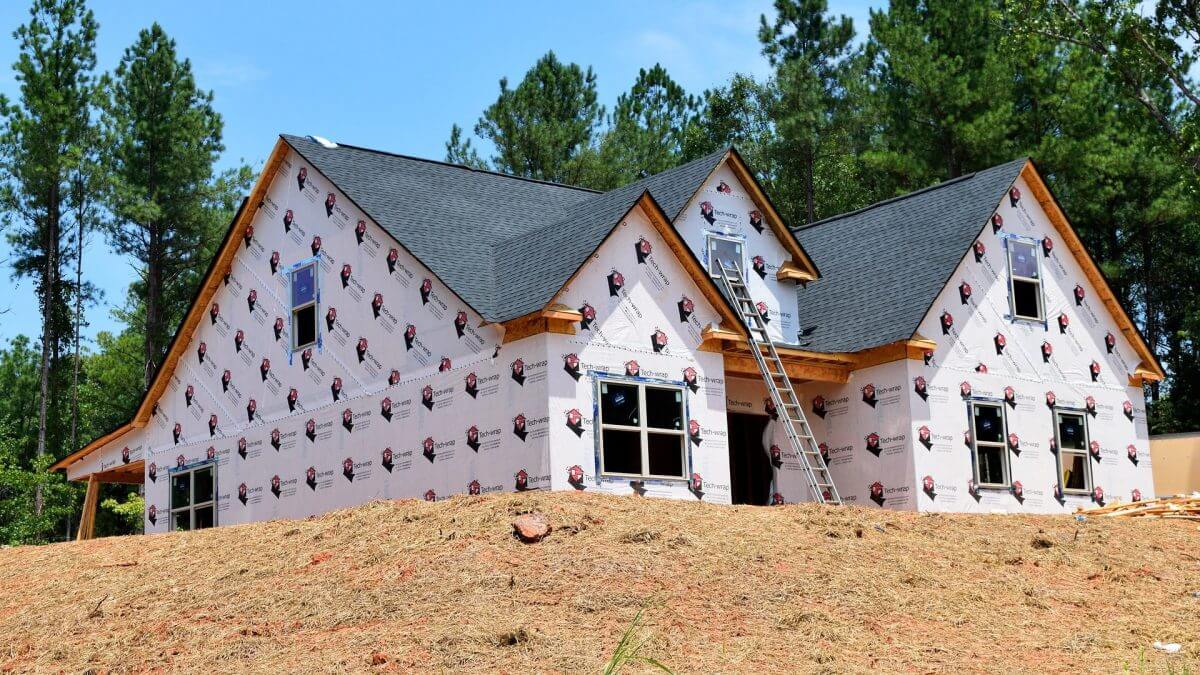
x=882, y=266
x=504, y=244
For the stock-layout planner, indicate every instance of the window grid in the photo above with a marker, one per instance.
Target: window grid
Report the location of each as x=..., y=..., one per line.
x=1065, y=453
x=193, y=506
x=1001, y=446
x=1035, y=282
x=298, y=308
x=642, y=428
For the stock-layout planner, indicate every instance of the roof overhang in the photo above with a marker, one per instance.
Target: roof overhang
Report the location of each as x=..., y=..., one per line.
x=800, y=268
x=556, y=317
x=204, y=294
x=1149, y=370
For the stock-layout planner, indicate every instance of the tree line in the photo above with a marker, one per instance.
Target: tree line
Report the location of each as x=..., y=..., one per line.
x=1097, y=92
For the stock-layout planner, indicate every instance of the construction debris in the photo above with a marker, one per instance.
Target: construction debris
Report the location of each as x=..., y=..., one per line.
x=1181, y=508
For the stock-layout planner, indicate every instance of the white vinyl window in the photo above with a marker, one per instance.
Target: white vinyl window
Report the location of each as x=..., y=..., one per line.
x=305, y=298
x=642, y=430
x=1025, y=281
x=989, y=439
x=1071, y=436
x=720, y=248
x=193, y=497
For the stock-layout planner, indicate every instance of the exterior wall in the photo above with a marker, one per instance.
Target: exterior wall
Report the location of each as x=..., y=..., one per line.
x=1117, y=421
x=1176, y=463
x=654, y=297
x=374, y=348
x=861, y=426
x=732, y=213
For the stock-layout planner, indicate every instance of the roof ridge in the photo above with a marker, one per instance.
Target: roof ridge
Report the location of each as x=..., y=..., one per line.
x=456, y=166
x=891, y=200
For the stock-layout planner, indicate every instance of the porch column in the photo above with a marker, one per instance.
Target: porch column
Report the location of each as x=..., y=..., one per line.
x=87, y=522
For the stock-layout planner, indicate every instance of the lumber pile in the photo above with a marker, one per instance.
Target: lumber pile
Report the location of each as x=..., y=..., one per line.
x=1181, y=508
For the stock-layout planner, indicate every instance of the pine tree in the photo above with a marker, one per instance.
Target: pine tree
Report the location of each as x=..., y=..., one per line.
x=165, y=137
x=42, y=142
x=648, y=127
x=545, y=127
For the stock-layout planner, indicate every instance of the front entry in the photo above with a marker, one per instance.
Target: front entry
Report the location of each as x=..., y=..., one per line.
x=749, y=465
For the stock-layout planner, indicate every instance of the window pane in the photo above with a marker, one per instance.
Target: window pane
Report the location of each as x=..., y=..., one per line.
x=204, y=517
x=202, y=488
x=664, y=408
x=666, y=454
x=304, y=326
x=181, y=490
x=622, y=451
x=725, y=250
x=1074, y=471
x=619, y=404
x=991, y=465
x=1070, y=432
x=304, y=285
x=989, y=427
x=181, y=520
x=1024, y=259
x=1026, y=296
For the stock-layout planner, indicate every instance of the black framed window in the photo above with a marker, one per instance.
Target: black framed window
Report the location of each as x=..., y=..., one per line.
x=723, y=249
x=1071, y=437
x=642, y=429
x=989, y=438
x=194, y=497
x=1025, y=281
x=305, y=298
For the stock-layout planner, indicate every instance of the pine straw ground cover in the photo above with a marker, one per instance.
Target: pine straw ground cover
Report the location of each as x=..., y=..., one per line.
x=416, y=586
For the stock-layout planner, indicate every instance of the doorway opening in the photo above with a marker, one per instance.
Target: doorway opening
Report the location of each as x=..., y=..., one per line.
x=749, y=463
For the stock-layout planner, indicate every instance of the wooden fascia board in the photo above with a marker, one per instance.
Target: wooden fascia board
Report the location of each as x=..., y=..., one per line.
x=199, y=308
x=209, y=286
x=788, y=271
x=691, y=265
x=800, y=258
x=744, y=364
x=913, y=350
x=1041, y=192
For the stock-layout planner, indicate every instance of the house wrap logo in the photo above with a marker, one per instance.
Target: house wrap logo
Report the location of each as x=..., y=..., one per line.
x=519, y=426
x=315, y=245
x=947, y=322
x=921, y=387
x=707, y=213
x=201, y=350
x=360, y=231
x=575, y=421
x=876, y=493
x=964, y=293
x=997, y=223
x=571, y=365
x=1000, y=342
x=213, y=312
x=616, y=282
x=1047, y=352
x=293, y=397
x=642, y=250
x=393, y=257
x=428, y=449
x=756, y=220
x=248, y=235
x=686, y=308
x=925, y=437
x=868, y=394
x=575, y=477
x=589, y=316
x=1063, y=323
x=386, y=460
x=980, y=251
x=288, y=219
x=658, y=341
x=1047, y=247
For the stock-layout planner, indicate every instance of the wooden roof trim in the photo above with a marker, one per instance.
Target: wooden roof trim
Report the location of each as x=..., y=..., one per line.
x=800, y=258
x=912, y=349
x=208, y=288
x=1041, y=192
x=556, y=310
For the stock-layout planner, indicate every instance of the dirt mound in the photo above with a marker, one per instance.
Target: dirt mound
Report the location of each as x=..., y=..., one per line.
x=447, y=586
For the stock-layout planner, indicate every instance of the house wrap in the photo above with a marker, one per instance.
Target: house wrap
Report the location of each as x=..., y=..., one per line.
x=377, y=326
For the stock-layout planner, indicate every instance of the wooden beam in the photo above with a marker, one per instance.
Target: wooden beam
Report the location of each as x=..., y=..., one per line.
x=788, y=271
x=913, y=350
x=1151, y=370
x=800, y=258
x=87, y=522
x=744, y=364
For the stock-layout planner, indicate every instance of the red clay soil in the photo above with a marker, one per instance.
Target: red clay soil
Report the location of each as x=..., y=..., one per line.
x=417, y=586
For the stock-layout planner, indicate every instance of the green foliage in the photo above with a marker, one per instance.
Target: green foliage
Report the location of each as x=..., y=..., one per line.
x=128, y=514
x=629, y=650
x=544, y=128
x=163, y=139
x=648, y=128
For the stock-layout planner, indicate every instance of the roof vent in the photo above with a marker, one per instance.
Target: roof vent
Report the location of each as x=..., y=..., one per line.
x=325, y=142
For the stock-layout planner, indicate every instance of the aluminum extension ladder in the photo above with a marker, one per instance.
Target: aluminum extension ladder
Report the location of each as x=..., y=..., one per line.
x=799, y=433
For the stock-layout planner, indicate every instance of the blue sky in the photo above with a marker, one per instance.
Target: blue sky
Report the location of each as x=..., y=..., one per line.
x=390, y=75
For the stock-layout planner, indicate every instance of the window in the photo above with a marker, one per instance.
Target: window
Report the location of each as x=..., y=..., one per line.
x=1025, y=281
x=304, y=305
x=1071, y=435
x=193, y=497
x=728, y=250
x=642, y=430
x=989, y=436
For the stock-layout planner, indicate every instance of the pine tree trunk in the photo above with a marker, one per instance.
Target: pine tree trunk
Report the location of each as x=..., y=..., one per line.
x=49, y=282
x=810, y=208
x=154, y=309
x=80, y=197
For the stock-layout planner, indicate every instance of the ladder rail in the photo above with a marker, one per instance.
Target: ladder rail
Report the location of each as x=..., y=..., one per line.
x=796, y=427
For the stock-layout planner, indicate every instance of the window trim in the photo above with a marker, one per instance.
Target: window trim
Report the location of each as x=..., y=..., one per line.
x=1013, y=278
x=709, y=236
x=191, y=470
x=1085, y=452
x=972, y=404
x=315, y=303
x=642, y=428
